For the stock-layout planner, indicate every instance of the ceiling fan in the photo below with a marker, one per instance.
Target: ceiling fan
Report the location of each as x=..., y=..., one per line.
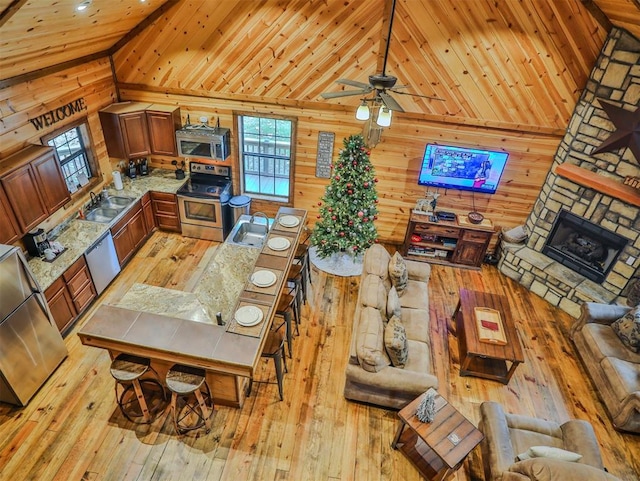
x=381, y=83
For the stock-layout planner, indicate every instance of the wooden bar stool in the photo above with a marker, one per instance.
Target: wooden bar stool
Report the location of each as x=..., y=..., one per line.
x=139, y=400
x=286, y=310
x=302, y=258
x=274, y=349
x=191, y=402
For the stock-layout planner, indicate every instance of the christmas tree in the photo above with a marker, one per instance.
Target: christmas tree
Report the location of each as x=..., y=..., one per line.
x=349, y=205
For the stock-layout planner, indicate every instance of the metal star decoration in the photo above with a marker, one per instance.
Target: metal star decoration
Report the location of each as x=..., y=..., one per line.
x=627, y=134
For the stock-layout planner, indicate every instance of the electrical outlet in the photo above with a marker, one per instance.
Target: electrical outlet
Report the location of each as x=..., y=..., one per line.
x=630, y=260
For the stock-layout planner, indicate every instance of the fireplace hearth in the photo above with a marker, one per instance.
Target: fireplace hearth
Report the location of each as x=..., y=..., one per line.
x=583, y=246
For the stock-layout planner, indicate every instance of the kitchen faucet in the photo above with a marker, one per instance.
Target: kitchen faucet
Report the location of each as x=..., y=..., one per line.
x=260, y=214
x=94, y=201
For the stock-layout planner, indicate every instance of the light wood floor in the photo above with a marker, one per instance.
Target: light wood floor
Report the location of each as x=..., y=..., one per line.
x=72, y=429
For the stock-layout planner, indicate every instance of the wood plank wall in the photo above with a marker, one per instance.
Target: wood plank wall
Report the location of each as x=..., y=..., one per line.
x=396, y=159
x=92, y=81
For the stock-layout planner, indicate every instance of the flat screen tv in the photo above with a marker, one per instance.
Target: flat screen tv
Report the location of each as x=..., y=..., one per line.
x=461, y=168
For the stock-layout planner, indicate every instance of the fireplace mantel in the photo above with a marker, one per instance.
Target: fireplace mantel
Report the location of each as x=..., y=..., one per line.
x=598, y=182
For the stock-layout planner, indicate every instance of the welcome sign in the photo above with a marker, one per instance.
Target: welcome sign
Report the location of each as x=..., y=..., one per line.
x=61, y=113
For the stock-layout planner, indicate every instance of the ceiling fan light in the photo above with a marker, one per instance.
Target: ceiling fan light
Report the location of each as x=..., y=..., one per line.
x=384, y=117
x=363, y=112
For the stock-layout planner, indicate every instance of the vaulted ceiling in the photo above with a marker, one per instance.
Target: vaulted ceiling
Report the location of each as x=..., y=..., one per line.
x=495, y=62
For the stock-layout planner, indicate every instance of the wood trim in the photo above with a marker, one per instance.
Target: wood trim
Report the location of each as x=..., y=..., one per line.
x=483, y=125
x=602, y=184
x=597, y=13
x=11, y=10
x=142, y=25
x=53, y=69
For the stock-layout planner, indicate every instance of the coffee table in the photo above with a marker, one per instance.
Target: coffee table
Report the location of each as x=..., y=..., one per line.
x=483, y=359
x=438, y=448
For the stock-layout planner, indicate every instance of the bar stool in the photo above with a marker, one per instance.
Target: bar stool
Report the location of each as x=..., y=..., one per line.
x=301, y=257
x=274, y=349
x=286, y=310
x=140, y=400
x=191, y=402
x=296, y=276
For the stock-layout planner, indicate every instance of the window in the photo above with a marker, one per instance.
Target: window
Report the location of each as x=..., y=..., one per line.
x=75, y=157
x=266, y=157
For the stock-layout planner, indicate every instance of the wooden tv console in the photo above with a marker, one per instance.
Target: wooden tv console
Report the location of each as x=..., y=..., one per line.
x=457, y=243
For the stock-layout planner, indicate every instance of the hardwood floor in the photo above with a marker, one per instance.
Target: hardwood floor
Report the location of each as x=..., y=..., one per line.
x=73, y=430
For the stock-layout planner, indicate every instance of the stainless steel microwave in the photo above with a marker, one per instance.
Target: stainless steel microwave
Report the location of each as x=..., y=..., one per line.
x=204, y=143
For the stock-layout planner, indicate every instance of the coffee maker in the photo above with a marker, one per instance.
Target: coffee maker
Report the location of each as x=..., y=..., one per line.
x=36, y=242
x=131, y=170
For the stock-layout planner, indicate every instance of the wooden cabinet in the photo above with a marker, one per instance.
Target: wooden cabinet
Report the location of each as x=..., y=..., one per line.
x=129, y=233
x=165, y=209
x=147, y=212
x=135, y=129
x=70, y=294
x=51, y=182
x=60, y=304
x=163, y=121
x=9, y=229
x=34, y=186
x=446, y=242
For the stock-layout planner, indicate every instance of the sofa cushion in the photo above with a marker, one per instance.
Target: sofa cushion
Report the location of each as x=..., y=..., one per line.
x=370, y=341
x=603, y=342
x=398, y=273
x=395, y=341
x=416, y=324
x=545, y=469
x=628, y=329
x=393, y=304
x=623, y=376
x=376, y=261
x=419, y=358
x=373, y=293
x=416, y=295
x=549, y=452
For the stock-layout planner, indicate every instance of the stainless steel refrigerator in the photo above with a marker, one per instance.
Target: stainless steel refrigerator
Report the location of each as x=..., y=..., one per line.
x=31, y=346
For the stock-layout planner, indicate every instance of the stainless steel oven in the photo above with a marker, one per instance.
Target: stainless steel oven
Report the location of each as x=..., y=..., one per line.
x=203, y=202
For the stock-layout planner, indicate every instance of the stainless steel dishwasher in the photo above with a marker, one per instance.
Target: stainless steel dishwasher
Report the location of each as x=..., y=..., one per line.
x=103, y=262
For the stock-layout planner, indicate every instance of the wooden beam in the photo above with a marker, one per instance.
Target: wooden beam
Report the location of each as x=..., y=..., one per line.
x=142, y=25
x=598, y=14
x=18, y=79
x=602, y=184
x=10, y=11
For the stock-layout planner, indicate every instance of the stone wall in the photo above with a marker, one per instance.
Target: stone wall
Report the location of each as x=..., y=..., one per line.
x=616, y=78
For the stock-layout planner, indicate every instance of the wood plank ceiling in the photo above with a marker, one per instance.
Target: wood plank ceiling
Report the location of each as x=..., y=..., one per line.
x=503, y=63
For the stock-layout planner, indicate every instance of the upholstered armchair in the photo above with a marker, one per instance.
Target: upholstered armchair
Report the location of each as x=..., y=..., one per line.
x=506, y=436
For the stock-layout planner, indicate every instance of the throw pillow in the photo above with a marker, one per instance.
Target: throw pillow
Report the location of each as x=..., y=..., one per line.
x=546, y=469
x=393, y=304
x=628, y=329
x=549, y=452
x=395, y=340
x=398, y=273
x=370, y=341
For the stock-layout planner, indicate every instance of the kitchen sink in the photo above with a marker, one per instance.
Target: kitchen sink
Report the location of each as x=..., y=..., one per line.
x=116, y=202
x=247, y=233
x=102, y=214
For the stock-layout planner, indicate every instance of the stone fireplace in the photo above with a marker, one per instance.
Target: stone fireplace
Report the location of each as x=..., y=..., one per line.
x=584, y=229
x=583, y=246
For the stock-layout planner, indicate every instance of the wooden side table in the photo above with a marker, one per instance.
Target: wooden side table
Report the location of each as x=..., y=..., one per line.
x=436, y=449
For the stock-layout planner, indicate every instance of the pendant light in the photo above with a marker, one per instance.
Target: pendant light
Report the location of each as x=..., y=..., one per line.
x=363, y=111
x=384, y=117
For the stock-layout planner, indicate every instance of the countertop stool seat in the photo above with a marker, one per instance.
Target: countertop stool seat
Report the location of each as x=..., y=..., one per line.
x=287, y=310
x=140, y=400
x=191, y=402
x=274, y=349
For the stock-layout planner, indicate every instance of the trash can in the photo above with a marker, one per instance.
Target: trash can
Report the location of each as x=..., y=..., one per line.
x=240, y=204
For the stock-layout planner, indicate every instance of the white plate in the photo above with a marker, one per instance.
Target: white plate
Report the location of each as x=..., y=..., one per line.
x=279, y=243
x=289, y=221
x=263, y=278
x=248, y=316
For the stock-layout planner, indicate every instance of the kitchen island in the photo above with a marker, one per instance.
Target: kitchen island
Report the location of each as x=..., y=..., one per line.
x=230, y=353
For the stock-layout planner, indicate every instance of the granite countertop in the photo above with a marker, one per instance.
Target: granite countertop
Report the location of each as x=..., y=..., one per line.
x=78, y=235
